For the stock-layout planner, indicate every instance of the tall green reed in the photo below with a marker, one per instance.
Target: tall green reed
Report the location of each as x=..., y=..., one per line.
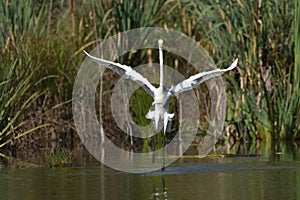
x=36, y=66
x=296, y=77
x=19, y=18
x=262, y=95
x=260, y=33
x=16, y=95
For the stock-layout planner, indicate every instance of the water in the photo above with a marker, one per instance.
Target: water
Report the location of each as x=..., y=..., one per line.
x=274, y=175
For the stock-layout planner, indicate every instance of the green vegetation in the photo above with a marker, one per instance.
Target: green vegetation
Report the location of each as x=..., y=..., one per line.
x=16, y=96
x=59, y=158
x=41, y=51
x=265, y=100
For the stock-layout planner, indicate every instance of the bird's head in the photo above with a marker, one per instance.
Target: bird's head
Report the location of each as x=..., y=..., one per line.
x=160, y=43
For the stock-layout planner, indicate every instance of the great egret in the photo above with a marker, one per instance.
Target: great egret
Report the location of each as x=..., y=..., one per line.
x=161, y=95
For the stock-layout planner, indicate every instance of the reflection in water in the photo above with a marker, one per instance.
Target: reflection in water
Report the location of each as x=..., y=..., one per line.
x=160, y=192
x=273, y=175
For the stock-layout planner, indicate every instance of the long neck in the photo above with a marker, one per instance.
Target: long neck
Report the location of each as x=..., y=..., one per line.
x=161, y=67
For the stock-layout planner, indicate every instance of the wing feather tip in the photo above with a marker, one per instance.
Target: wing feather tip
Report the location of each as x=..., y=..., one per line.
x=234, y=64
x=86, y=53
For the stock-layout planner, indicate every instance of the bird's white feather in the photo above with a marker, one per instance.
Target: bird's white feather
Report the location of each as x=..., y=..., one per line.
x=129, y=72
x=199, y=78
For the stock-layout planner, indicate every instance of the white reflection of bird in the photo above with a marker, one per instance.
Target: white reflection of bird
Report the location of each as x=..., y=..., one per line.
x=161, y=95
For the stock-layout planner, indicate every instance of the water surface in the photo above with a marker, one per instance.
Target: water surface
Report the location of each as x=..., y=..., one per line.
x=267, y=176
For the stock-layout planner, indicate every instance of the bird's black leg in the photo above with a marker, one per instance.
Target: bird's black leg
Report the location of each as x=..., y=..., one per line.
x=163, y=156
x=154, y=148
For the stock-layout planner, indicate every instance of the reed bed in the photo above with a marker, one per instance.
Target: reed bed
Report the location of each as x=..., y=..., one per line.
x=41, y=51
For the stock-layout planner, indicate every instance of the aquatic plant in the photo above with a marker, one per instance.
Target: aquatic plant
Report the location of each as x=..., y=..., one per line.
x=59, y=158
x=15, y=97
x=20, y=18
x=263, y=99
x=267, y=91
x=27, y=73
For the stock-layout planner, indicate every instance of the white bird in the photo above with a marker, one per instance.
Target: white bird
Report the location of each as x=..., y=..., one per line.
x=161, y=95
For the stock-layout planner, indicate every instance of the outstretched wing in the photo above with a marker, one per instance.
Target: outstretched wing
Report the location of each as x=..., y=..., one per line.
x=127, y=71
x=199, y=78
